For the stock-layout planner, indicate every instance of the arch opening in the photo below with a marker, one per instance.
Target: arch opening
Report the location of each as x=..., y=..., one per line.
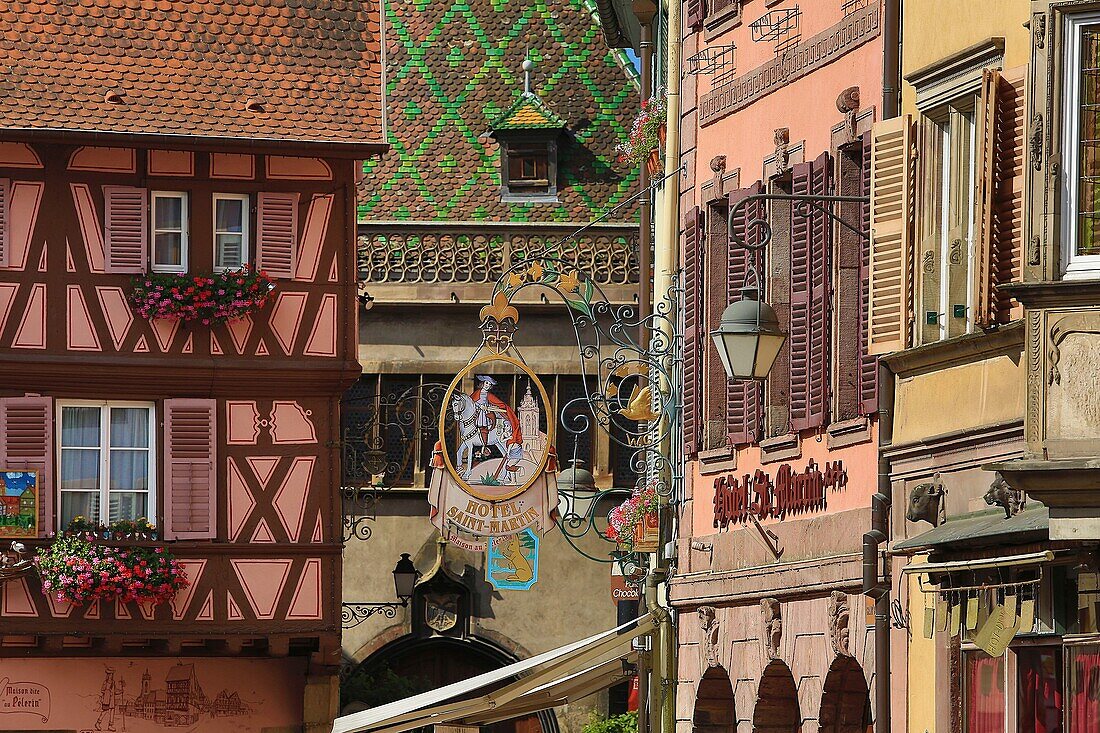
x=845, y=699
x=714, y=707
x=776, y=709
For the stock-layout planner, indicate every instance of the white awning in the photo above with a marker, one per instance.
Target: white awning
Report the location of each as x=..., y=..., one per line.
x=549, y=679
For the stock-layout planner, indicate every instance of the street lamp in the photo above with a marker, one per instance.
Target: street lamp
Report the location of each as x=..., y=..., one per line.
x=749, y=337
x=577, y=488
x=404, y=578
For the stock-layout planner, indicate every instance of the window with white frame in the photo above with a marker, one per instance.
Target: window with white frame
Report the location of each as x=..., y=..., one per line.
x=1081, y=148
x=230, y=230
x=169, y=222
x=106, y=461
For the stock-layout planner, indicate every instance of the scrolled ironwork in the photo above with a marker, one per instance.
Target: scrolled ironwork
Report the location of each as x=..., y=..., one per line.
x=804, y=203
x=353, y=614
x=14, y=562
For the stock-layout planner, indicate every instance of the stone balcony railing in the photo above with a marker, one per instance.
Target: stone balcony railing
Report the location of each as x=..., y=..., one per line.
x=415, y=262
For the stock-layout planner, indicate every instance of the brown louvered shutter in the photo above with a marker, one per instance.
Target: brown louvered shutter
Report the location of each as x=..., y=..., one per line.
x=1006, y=253
x=716, y=298
x=811, y=244
x=868, y=363
x=744, y=399
x=190, y=473
x=693, y=14
x=126, y=229
x=5, y=197
x=26, y=444
x=277, y=233
x=985, y=185
x=694, y=336
x=891, y=229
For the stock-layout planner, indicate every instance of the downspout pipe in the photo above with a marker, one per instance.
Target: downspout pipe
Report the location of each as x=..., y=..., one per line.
x=891, y=62
x=876, y=575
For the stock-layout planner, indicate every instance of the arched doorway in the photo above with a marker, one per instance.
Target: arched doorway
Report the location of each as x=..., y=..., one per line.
x=845, y=700
x=411, y=665
x=714, y=711
x=776, y=708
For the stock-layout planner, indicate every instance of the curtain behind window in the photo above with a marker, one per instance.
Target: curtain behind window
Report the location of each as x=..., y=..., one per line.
x=1039, y=672
x=985, y=693
x=1084, y=712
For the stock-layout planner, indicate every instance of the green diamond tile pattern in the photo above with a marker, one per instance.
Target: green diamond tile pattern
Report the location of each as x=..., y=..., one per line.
x=453, y=69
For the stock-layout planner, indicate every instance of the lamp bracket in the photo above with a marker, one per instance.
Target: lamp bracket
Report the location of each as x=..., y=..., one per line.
x=803, y=205
x=353, y=614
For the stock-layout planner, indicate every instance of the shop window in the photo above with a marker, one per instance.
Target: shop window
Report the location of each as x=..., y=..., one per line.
x=1081, y=148
x=1084, y=688
x=983, y=693
x=1039, y=690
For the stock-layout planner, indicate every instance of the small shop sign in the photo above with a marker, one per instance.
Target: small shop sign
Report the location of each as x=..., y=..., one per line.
x=787, y=494
x=512, y=561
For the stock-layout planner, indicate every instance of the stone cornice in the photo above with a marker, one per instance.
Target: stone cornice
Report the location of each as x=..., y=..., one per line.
x=956, y=351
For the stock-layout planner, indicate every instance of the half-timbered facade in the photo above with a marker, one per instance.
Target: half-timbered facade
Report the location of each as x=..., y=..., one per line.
x=182, y=138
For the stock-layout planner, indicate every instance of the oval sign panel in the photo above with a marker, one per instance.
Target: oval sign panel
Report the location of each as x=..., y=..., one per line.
x=496, y=428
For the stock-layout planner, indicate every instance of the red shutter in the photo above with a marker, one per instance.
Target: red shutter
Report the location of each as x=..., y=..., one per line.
x=26, y=444
x=695, y=336
x=744, y=399
x=5, y=196
x=716, y=297
x=190, y=473
x=126, y=229
x=277, y=235
x=811, y=244
x=868, y=364
x=693, y=14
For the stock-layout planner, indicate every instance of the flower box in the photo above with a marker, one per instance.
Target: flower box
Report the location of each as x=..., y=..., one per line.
x=634, y=525
x=206, y=299
x=646, y=141
x=647, y=533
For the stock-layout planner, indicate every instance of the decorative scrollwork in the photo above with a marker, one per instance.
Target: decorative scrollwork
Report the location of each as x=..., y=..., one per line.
x=353, y=614
x=14, y=562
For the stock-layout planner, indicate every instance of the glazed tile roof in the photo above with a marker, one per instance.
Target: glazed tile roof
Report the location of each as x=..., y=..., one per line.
x=454, y=67
x=191, y=68
x=528, y=113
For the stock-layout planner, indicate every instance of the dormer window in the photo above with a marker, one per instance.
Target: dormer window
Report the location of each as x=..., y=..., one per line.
x=528, y=133
x=529, y=169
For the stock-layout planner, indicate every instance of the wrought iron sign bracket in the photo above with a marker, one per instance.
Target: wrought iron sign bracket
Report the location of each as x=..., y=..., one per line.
x=353, y=614
x=804, y=203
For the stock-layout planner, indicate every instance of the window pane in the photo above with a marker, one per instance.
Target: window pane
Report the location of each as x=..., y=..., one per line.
x=167, y=213
x=80, y=426
x=129, y=427
x=129, y=469
x=1039, y=701
x=229, y=251
x=79, y=503
x=128, y=505
x=229, y=216
x=1084, y=691
x=79, y=468
x=168, y=248
x=984, y=696
x=1088, y=204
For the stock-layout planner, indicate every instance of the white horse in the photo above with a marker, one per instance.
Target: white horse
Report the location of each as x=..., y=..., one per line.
x=465, y=414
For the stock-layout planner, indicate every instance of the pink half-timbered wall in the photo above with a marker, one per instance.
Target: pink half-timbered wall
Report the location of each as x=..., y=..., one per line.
x=255, y=516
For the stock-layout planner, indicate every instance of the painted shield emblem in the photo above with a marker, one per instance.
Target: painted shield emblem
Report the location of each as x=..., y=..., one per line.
x=496, y=428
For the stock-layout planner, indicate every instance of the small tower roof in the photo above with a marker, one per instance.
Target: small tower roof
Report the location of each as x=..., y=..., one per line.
x=528, y=113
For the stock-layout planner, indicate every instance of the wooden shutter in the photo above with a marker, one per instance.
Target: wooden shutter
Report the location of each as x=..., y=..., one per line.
x=695, y=338
x=889, y=295
x=190, y=474
x=811, y=245
x=744, y=399
x=126, y=229
x=277, y=233
x=985, y=185
x=868, y=363
x=716, y=297
x=26, y=444
x=1009, y=172
x=693, y=14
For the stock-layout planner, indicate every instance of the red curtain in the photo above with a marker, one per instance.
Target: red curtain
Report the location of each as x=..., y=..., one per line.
x=985, y=693
x=1039, y=672
x=1085, y=701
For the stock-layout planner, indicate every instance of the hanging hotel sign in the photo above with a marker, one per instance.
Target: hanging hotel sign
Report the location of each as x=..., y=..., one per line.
x=788, y=493
x=494, y=468
x=799, y=60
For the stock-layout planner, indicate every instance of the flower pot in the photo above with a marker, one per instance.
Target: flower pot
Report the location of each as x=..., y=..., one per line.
x=647, y=533
x=653, y=163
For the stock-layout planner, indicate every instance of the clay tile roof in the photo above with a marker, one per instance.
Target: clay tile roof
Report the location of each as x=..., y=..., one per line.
x=528, y=113
x=189, y=69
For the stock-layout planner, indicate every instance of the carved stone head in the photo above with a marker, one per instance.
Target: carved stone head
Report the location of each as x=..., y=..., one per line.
x=709, y=623
x=924, y=503
x=1004, y=496
x=772, y=618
